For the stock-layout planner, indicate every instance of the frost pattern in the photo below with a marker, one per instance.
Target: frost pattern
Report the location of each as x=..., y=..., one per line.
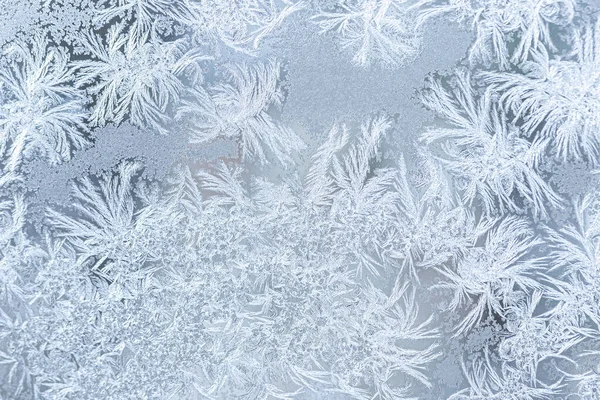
x=455, y=260
x=382, y=30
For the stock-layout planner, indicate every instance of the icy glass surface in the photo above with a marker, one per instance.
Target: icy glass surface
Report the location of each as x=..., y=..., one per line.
x=299, y=199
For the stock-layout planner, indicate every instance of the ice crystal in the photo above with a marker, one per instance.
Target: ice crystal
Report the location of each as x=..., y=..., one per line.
x=283, y=199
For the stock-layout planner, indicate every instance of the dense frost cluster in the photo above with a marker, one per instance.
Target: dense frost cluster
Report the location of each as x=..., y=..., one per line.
x=171, y=229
